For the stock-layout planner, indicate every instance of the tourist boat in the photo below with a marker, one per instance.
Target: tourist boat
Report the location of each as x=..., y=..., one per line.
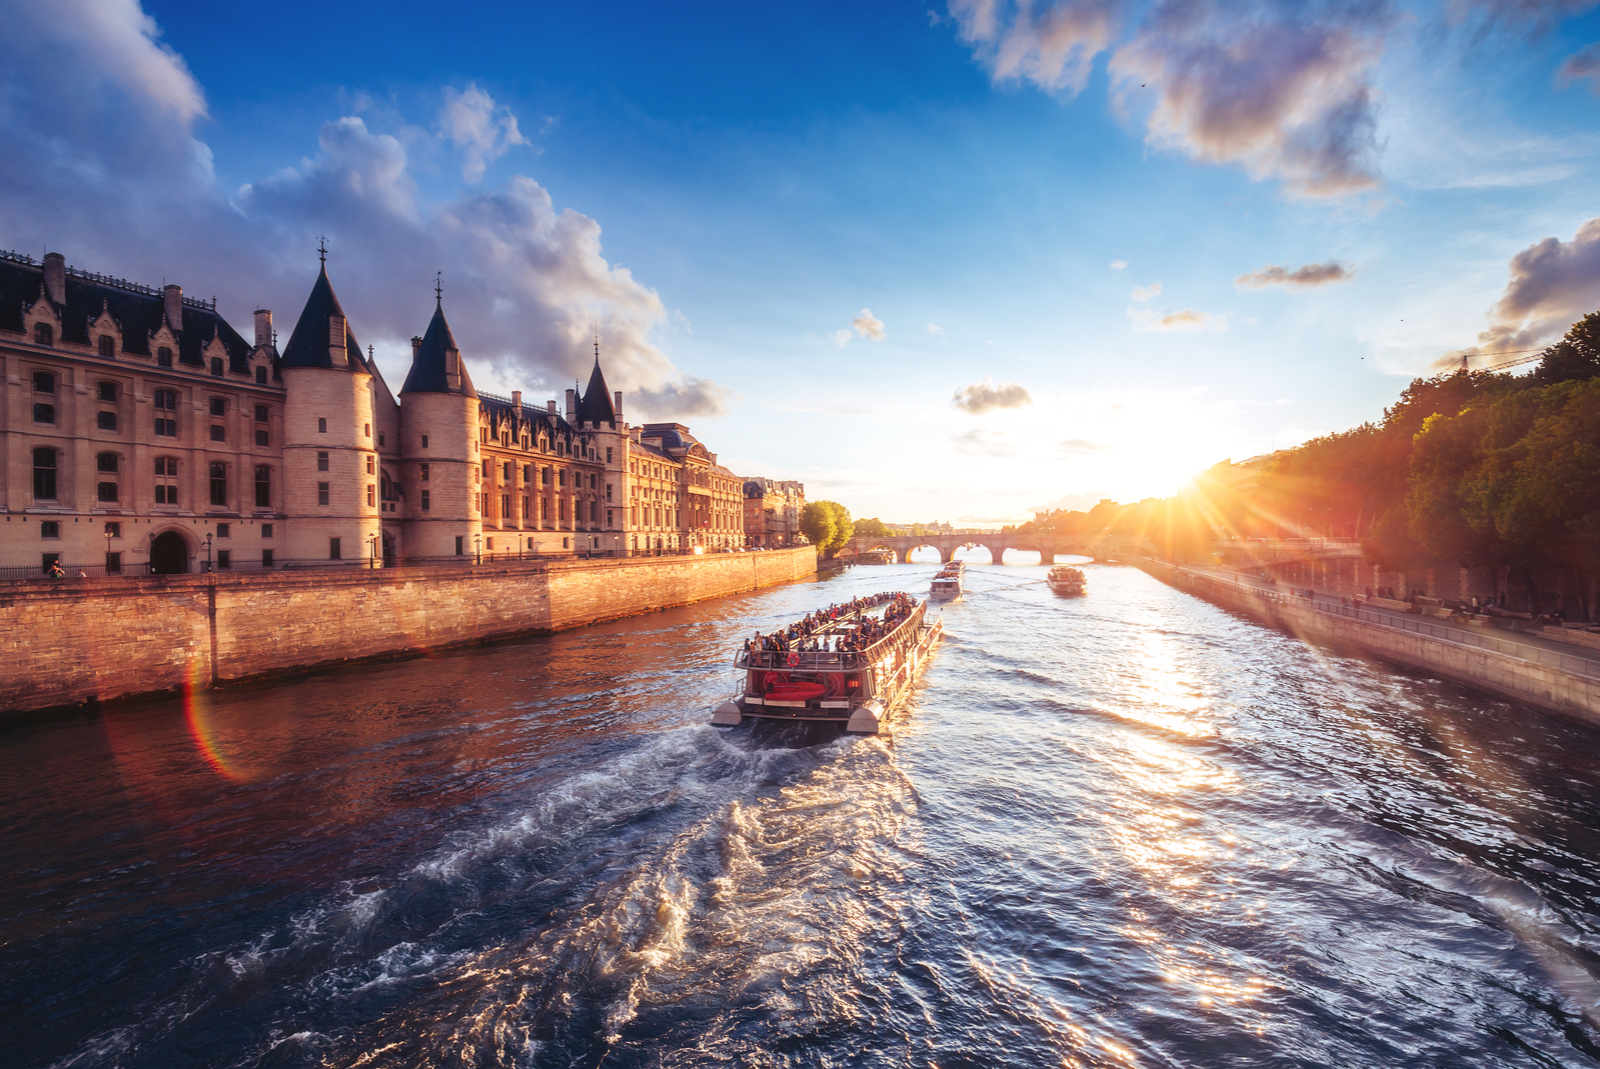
x=873, y=556
x=947, y=584
x=855, y=688
x=1064, y=579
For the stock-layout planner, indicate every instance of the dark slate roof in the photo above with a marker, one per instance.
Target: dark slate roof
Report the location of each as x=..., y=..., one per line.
x=308, y=345
x=501, y=407
x=595, y=404
x=428, y=374
x=137, y=314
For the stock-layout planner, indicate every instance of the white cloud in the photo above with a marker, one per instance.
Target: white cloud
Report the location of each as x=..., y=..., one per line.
x=1187, y=321
x=1118, y=265
x=841, y=338
x=869, y=326
x=1145, y=293
x=483, y=131
x=1052, y=44
x=986, y=394
x=936, y=330
x=985, y=443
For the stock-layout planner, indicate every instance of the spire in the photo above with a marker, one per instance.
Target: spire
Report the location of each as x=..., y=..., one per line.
x=309, y=342
x=594, y=404
x=436, y=365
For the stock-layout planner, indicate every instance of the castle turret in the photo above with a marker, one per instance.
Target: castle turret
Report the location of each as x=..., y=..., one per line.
x=330, y=455
x=597, y=415
x=439, y=446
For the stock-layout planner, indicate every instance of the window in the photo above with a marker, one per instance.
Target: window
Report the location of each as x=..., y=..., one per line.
x=322, y=493
x=166, y=401
x=505, y=472
x=380, y=439
x=425, y=445
x=459, y=540
x=544, y=508
x=426, y=505
x=490, y=542
x=50, y=529
x=485, y=469
x=224, y=556
x=369, y=464
x=322, y=426
x=105, y=462
x=527, y=512
x=266, y=530
x=219, y=406
x=219, y=433
x=43, y=334
x=527, y=473
x=224, y=530
x=108, y=392
x=263, y=487
x=44, y=382
x=591, y=482
x=505, y=506
x=114, y=530
x=164, y=356
x=106, y=421
x=113, y=560
x=366, y=429
x=424, y=473
x=261, y=377
x=544, y=476
x=219, y=483
x=322, y=461
x=372, y=493
x=44, y=475
x=266, y=558
x=166, y=468
x=333, y=549
x=263, y=439
x=608, y=454
x=107, y=492
x=608, y=491
x=44, y=413
x=108, y=345
x=594, y=512
x=216, y=366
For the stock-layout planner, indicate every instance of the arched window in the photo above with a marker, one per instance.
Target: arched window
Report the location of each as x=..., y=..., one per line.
x=44, y=474
x=43, y=334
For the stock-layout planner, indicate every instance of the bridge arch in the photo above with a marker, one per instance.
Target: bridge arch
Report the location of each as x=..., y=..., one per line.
x=913, y=545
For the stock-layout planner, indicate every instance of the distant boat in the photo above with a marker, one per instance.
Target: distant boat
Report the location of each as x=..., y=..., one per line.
x=946, y=585
x=1064, y=579
x=857, y=685
x=873, y=556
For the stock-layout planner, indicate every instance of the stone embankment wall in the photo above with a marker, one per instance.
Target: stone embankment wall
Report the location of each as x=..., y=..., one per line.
x=1516, y=677
x=69, y=641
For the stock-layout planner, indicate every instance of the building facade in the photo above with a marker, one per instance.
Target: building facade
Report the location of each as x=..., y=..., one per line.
x=772, y=512
x=140, y=432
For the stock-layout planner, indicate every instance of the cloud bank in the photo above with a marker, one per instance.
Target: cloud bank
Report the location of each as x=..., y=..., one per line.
x=1300, y=278
x=1553, y=284
x=986, y=394
x=103, y=163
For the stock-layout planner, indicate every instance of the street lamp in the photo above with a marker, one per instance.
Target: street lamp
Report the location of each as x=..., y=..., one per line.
x=208, y=552
x=372, y=559
x=108, y=549
x=477, y=554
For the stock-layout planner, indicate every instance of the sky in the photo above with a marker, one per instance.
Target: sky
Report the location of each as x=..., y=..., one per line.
x=952, y=261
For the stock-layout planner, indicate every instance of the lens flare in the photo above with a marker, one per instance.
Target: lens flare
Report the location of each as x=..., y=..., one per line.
x=197, y=714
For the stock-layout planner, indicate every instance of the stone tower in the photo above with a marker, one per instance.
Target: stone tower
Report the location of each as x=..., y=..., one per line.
x=439, y=446
x=599, y=413
x=330, y=457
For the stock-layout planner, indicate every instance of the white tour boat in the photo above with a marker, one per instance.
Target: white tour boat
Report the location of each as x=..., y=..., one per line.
x=828, y=680
x=1064, y=579
x=946, y=585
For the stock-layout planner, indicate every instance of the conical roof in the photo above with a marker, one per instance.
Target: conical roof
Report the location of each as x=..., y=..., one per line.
x=308, y=345
x=595, y=404
x=430, y=368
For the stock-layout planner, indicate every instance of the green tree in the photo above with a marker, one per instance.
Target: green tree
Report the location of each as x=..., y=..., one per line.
x=816, y=523
x=843, y=528
x=1574, y=357
x=871, y=528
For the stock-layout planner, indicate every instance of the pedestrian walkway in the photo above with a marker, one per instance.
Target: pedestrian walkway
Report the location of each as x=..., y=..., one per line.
x=1524, y=644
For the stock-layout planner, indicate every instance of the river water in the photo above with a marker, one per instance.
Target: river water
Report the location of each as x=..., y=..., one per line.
x=1127, y=829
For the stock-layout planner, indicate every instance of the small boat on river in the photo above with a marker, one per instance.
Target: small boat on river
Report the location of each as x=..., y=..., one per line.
x=1064, y=579
x=850, y=664
x=946, y=585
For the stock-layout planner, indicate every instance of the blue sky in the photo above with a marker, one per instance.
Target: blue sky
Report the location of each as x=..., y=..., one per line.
x=950, y=261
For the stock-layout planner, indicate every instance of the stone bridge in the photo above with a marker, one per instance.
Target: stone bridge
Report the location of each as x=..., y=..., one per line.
x=1046, y=545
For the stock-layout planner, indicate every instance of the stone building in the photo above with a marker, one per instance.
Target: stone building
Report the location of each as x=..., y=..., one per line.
x=140, y=432
x=772, y=512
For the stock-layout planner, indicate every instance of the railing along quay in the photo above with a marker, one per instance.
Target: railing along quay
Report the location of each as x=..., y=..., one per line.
x=1566, y=662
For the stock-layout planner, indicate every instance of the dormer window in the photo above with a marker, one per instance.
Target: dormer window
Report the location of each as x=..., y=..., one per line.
x=108, y=346
x=43, y=334
x=216, y=366
x=164, y=357
x=261, y=376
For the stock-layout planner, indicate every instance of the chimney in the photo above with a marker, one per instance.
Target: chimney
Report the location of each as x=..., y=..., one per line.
x=55, y=277
x=416, y=349
x=550, y=407
x=618, y=405
x=572, y=405
x=336, y=347
x=263, y=327
x=516, y=400
x=172, y=305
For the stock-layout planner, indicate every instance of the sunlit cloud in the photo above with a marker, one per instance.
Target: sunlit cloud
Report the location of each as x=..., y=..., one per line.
x=987, y=443
x=841, y=338
x=1145, y=293
x=1187, y=321
x=482, y=130
x=1079, y=447
x=1302, y=277
x=936, y=330
x=1553, y=283
x=1583, y=65
x=869, y=326
x=986, y=394
x=1118, y=265
x=1052, y=45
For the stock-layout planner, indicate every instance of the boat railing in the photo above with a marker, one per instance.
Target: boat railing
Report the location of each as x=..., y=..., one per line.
x=835, y=660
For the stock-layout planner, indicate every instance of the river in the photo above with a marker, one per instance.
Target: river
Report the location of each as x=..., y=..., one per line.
x=1127, y=829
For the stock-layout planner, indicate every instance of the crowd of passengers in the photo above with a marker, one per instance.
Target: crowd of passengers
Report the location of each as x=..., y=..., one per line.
x=819, y=632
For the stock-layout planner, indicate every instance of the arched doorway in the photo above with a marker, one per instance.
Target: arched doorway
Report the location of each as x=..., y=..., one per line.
x=169, y=554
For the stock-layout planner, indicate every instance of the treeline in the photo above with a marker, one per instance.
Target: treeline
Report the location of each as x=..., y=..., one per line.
x=1470, y=469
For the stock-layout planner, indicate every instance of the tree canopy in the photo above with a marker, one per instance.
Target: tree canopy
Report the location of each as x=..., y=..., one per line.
x=827, y=524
